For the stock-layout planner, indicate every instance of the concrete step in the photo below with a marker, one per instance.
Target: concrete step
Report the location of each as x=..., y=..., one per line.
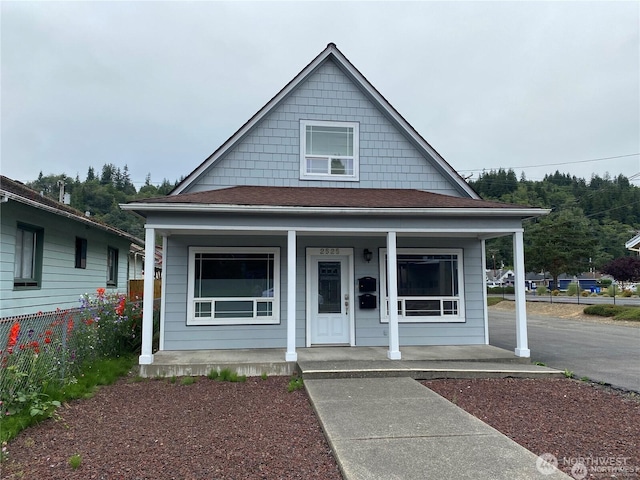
x=422, y=370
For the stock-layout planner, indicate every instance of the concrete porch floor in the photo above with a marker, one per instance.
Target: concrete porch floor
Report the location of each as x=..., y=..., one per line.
x=424, y=362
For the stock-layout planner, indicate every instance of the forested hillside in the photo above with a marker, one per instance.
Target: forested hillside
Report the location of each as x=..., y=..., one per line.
x=589, y=224
x=101, y=193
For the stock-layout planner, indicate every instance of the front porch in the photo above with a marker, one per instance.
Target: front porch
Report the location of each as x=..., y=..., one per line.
x=423, y=362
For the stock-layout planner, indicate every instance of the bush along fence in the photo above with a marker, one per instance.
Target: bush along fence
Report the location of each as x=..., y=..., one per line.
x=49, y=349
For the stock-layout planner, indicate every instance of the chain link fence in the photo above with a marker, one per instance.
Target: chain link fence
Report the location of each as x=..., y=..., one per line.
x=48, y=349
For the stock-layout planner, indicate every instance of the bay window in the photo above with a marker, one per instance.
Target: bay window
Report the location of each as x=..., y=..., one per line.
x=430, y=285
x=232, y=286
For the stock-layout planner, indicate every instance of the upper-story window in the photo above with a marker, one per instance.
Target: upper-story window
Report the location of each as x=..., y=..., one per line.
x=329, y=150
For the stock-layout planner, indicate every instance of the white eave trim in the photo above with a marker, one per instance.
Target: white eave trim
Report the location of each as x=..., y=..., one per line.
x=216, y=208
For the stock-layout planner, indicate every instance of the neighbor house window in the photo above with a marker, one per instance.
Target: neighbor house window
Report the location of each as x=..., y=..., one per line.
x=27, y=268
x=231, y=286
x=430, y=285
x=81, y=252
x=329, y=150
x=112, y=267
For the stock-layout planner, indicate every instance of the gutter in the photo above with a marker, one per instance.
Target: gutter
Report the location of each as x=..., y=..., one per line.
x=219, y=208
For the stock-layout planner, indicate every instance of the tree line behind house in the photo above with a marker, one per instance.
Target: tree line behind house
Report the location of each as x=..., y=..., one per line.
x=589, y=224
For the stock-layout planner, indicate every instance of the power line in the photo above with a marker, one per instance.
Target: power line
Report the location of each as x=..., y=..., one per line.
x=553, y=164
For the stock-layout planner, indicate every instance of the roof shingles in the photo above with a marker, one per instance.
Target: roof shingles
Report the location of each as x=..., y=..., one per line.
x=325, y=197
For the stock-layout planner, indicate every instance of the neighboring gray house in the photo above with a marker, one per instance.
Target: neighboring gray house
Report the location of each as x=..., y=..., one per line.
x=325, y=208
x=50, y=253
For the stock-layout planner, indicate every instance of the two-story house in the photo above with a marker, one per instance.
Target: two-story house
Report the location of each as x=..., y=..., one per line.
x=326, y=219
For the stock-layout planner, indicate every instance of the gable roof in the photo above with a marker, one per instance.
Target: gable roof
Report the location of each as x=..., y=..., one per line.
x=332, y=53
x=328, y=200
x=19, y=192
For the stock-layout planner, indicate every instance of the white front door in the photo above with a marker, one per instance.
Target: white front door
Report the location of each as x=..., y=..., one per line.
x=330, y=302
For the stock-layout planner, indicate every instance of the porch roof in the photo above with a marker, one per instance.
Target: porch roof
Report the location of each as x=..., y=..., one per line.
x=310, y=198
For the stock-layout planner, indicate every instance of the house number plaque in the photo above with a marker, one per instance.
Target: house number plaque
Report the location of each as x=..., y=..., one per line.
x=329, y=251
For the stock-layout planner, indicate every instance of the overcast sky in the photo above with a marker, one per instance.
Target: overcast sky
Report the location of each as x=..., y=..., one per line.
x=533, y=86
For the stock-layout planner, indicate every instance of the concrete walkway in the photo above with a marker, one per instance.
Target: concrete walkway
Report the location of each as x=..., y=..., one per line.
x=395, y=428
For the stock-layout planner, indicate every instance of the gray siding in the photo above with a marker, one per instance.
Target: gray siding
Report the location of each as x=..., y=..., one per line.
x=62, y=283
x=369, y=329
x=269, y=155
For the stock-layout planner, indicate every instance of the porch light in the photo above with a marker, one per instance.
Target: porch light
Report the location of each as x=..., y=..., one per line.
x=368, y=255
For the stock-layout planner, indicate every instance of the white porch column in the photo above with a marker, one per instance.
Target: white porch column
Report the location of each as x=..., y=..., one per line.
x=146, y=357
x=291, y=355
x=485, y=312
x=522, y=343
x=165, y=242
x=392, y=280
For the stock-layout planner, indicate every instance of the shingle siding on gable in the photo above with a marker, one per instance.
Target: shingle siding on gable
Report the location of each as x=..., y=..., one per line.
x=270, y=154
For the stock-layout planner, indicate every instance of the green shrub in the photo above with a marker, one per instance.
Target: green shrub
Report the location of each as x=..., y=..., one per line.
x=542, y=290
x=604, y=310
x=626, y=293
x=188, y=380
x=500, y=290
x=585, y=293
x=494, y=300
x=629, y=313
x=572, y=289
x=555, y=293
x=213, y=374
x=605, y=282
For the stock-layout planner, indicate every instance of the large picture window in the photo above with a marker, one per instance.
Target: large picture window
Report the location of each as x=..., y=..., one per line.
x=231, y=286
x=329, y=150
x=27, y=267
x=430, y=285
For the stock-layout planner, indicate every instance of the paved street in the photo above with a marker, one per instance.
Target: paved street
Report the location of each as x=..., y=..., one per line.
x=601, y=352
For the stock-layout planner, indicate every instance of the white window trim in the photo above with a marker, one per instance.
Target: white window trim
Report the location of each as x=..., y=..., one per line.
x=331, y=177
x=384, y=316
x=256, y=320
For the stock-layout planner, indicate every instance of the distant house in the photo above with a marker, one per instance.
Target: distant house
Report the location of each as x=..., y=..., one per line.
x=326, y=219
x=136, y=262
x=50, y=253
x=634, y=244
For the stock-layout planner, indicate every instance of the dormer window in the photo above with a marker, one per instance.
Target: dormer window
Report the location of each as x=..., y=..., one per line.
x=329, y=150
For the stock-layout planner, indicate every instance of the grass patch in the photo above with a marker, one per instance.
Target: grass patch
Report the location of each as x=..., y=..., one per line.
x=100, y=372
x=494, y=300
x=226, y=375
x=188, y=380
x=617, y=312
x=295, y=383
x=75, y=461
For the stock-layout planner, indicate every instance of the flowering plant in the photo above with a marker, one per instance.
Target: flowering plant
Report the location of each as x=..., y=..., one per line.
x=114, y=322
